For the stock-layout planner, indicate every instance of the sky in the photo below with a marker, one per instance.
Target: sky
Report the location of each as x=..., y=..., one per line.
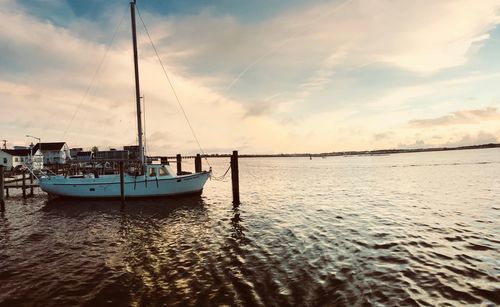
x=263, y=76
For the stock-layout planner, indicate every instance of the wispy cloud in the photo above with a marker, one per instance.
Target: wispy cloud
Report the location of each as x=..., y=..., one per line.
x=420, y=36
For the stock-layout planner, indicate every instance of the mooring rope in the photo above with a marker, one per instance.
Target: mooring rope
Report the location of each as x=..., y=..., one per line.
x=220, y=178
x=172, y=87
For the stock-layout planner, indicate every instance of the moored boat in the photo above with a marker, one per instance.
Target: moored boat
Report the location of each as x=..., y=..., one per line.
x=149, y=180
x=159, y=180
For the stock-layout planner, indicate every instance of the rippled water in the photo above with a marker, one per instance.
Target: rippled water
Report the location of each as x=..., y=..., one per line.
x=405, y=229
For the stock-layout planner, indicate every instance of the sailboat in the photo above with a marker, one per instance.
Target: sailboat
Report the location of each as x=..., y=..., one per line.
x=151, y=180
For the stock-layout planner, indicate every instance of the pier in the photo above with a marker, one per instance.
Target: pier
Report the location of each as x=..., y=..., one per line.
x=22, y=182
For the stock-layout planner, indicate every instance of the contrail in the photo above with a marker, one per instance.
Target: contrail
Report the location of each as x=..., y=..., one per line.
x=256, y=61
x=270, y=51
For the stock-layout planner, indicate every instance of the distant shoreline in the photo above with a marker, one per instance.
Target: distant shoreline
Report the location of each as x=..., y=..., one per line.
x=358, y=153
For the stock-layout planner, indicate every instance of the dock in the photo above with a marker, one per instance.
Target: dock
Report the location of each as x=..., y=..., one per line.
x=24, y=182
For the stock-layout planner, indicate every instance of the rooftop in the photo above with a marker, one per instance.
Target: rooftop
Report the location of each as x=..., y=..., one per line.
x=56, y=146
x=17, y=152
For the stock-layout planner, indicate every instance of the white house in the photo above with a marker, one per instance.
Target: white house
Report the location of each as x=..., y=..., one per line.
x=10, y=158
x=53, y=153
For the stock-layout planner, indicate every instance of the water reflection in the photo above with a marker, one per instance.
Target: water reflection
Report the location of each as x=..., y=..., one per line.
x=159, y=251
x=161, y=247
x=158, y=207
x=238, y=232
x=149, y=247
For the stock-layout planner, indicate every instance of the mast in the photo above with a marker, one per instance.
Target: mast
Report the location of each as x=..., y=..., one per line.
x=137, y=86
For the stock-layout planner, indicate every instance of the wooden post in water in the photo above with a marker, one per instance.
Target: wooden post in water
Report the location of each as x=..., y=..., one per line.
x=2, y=202
x=122, y=184
x=197, y=164
x=31, y=184
x=179, y=164
x=24, y=184
x=235, y=178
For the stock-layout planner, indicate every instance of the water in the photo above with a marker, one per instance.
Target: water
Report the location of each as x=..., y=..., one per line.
x=405, y=229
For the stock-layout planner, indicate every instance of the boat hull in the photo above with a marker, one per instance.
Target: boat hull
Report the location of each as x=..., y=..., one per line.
x=109, y=186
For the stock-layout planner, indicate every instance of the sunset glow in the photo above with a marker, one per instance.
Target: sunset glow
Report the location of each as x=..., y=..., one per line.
x=261, y=77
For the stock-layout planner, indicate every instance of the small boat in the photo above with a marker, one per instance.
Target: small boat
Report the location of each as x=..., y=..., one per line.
x=150, y=180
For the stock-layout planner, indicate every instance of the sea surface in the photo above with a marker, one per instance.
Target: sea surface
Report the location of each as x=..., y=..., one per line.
x=403, y=229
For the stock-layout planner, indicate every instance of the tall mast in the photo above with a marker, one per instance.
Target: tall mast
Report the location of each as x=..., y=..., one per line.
x=137, y=86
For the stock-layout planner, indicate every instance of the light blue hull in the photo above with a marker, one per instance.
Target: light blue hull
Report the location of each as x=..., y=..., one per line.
x=108, y=186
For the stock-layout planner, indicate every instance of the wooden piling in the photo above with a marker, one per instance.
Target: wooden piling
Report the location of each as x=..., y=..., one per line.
x=24, y=184
x=31, y=184
x=197, y=163
x=179, y=164
x=122, y=184
x=235, y=178
x=2, y=202
x=164, y=161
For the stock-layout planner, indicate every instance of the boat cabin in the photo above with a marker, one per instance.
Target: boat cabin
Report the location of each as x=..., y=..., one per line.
x=159, y=170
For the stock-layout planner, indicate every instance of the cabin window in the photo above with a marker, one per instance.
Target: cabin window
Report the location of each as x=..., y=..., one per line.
x=152, y=172
x=5, y=160
x=163, y=171
x=16, y=159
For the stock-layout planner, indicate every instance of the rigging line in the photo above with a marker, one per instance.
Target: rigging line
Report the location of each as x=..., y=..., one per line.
x=146, y=144
x=144, y=121
x=95, y=74
x=172, y=87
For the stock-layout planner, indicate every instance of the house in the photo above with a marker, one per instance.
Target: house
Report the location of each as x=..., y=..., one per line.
x=84, y=156
x=74, y=152
x=53, y=153
x=11, y=158
x=112, y=154
x=133, y=151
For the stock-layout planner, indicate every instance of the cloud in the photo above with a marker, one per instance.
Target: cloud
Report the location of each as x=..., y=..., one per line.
x=382, y=136
x=458, y=118
x=46, y=68
x=41, y=99
x=420, y=36
x=258, y=109
x=299, y=51
x=417, y=144
x=468, y=140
